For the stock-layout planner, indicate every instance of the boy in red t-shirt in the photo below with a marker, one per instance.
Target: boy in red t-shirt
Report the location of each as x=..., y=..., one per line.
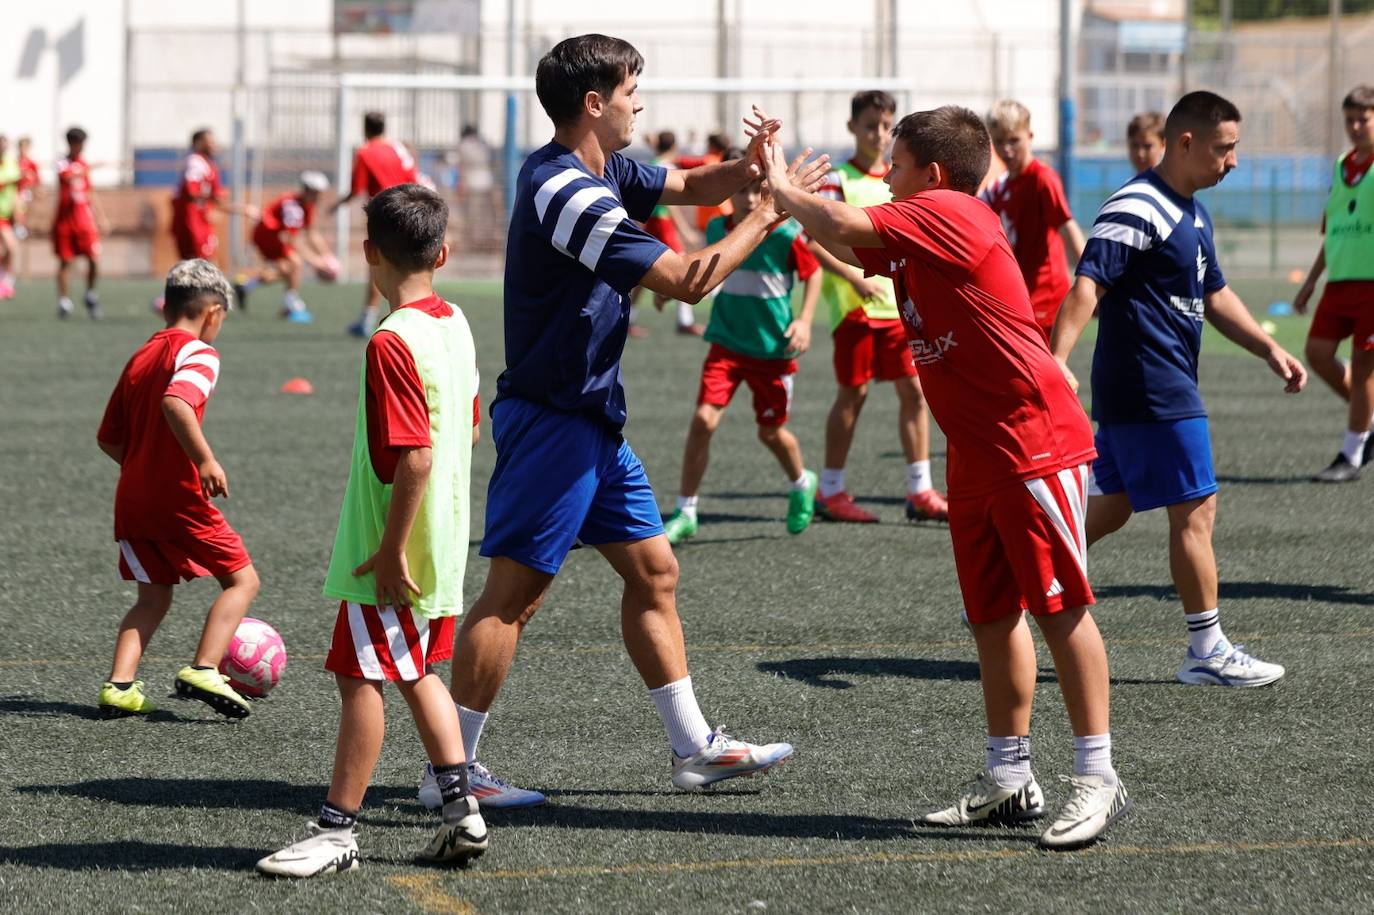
x=1029, y=197
x=74, y=229
x=167, y=528
x=284, y=222
x=1019, y=449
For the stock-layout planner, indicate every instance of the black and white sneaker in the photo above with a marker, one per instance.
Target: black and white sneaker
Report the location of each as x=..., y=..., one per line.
x=985, y=801
x=462, y=837
x=1340, y=471
x=1093, y=806
x=322, y=851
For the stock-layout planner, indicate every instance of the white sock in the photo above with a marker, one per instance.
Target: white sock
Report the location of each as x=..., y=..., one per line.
x=687, y=729
x=1353, y=449
x=918, y=477
x=1092, y=755
x=688, y=506
x=634, y=313
x=1204, y=632
x=685, y=317
x=292, y=300
x=1009, y=760
x=65, y=303
x=832, y=481
x=471, y=722
x=799, y=483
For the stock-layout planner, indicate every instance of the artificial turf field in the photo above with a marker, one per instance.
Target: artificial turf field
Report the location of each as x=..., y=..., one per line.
x=844, y=641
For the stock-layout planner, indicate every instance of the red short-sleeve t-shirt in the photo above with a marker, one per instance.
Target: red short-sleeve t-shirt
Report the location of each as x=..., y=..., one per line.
x=1033, y=207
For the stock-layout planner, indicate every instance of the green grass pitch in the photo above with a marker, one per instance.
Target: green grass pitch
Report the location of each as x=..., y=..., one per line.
x=844, y=641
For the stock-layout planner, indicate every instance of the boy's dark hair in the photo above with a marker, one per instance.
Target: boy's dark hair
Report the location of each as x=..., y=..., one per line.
x=200, y=134
x=1197, y=112
x=717, y=142
x=871, y=98
x=75, y=135
x=665, y=141
x=1144, y=124
x=576, y=66
x=406, y=223
x=1362, y=96
x=953, y=136
x=374, y=124
x=191, y=285
x=732, y=153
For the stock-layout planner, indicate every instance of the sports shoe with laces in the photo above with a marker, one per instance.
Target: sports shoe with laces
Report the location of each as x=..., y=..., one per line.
x=462, y=837
x=985, y=801
x=322, y=851
x=1093, y=806
x=491, y=792
x=1228, y=665
x=841, y=507
x=801, y=503
x=211, y=687
x=927, y=506
x=1339, y=471
x=725, y=757
x=93, y=305
x=119, y=703
x=679, y=527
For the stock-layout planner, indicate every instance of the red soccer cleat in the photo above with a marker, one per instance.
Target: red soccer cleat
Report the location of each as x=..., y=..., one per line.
x=927, y=506
x=841, y=507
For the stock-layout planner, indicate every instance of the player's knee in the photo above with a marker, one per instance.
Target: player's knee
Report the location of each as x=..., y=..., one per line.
x=769, y=434
x=1319, y=351
x=706, y=419
x=854, y=396
x=661, y=573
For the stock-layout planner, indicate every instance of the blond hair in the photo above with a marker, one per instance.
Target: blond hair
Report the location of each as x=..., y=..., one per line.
x=1008, y=116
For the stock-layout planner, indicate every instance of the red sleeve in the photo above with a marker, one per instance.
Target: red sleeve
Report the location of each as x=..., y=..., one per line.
x=801, y=258
x=397, y=404
x=195, y=376
x=1054, y=205
x=359, y=173
x=476, y=410
x=112, y=425
x=927, y=226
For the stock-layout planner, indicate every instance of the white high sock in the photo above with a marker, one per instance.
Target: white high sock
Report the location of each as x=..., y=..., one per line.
x=687, y=729
x=1009, y=760
x=1204, y=632
x=1353, y=449
x=685, y=317
x=471, y=722
x=918, y=477
x=799, y=483
x=688, y=506
x=832, y=481
x=1092, y=755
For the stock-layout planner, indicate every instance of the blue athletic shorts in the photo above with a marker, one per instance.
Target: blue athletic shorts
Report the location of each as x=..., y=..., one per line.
x=1155, y=464
x=561, y=478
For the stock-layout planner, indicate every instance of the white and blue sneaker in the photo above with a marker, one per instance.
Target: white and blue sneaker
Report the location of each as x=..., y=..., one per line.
x=725, y=757
x=1227, y=665
x=491, y=792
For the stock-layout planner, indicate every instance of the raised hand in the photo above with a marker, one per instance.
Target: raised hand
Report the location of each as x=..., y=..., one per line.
x=759, y=127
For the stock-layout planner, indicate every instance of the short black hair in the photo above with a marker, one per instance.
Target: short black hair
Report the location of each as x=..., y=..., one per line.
x=953, y=136
x=871, y=98
x=200, y=134
x=374, y=124
x=717, y=142
x=1362, y=96
x=576, y=66
x=1197, y=111
x=665, y=141
x=407, y=223
x=76, y=135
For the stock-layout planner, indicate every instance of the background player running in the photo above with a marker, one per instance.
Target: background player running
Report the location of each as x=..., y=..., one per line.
x=75, y=229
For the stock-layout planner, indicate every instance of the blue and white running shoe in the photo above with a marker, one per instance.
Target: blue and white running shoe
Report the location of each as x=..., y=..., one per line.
x=1228, y=665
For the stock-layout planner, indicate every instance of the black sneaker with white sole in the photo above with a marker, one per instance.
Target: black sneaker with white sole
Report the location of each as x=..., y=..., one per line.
x=1340, y=471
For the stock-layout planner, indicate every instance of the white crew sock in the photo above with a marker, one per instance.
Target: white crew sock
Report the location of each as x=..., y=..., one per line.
x=1092, y=755
x=292, y=300
x=687, y=729
x=799, y=483
x=65, y=303
x=918, y=477
x=471, y=722
x=1009, y=760
x=1353, y=449
x=1204, y=632
x=688, y=506
x=685, y=317
x=832, y=481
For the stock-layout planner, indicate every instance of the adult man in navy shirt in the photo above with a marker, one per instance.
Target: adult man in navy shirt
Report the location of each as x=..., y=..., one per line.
x=1150, y=269
x=564, y=474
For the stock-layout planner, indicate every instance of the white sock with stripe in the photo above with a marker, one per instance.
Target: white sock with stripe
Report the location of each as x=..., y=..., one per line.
x=1204, y=632
x=832, y=481
x=1009, y=760
x=471, y=723
x=918, y=478
x=1092, y=755
x=677, y=705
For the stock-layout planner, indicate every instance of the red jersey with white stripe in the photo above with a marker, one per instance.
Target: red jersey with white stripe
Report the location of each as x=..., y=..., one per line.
x=986, y=370
x=198, y=187
x=74, y=193
x=288, y=213
x=1033, y=207
x=159, y=495
x=381, y=163
x=28, y=174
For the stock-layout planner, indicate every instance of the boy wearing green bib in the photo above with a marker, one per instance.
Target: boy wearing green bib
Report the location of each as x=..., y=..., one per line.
x=1346, y=308
x=402, y=541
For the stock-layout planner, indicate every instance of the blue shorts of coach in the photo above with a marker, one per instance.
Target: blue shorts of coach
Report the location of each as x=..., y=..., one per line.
x=562, y=478
x=1155, y=464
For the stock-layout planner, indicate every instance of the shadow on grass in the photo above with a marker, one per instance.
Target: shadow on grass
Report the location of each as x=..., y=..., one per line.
x=1261, y=481
x=832, y=673
x=29, y=707
x=1250, y=590
x=706, y=822
x=130, y=856
x=212, y=793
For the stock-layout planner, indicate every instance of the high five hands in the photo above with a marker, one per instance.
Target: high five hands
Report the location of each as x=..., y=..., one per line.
x=765, y=157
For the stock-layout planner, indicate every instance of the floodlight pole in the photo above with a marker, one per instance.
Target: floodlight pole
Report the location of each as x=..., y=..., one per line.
x=1067, y=107
x=236, y=253
x=1333, y=78
x=343, y=178
x=512, y=153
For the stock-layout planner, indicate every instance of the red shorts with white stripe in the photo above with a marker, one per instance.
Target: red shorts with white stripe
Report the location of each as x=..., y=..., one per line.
x=387, y=643
x=865, y=350
x=769, y=380
x=1023, y=547
x=169, y=562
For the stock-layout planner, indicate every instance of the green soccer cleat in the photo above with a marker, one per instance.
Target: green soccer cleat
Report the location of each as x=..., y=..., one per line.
x=120, y=703
x=801, y=504
x=212, y=688
x=679, y=527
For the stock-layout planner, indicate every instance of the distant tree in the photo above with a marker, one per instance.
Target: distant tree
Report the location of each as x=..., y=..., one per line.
x=1249, y=10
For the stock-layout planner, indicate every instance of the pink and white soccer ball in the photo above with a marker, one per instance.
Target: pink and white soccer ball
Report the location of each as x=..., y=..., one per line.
x=255, y=658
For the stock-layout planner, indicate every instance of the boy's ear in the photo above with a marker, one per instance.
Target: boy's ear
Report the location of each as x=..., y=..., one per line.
x=443, y=256
x=370, y=253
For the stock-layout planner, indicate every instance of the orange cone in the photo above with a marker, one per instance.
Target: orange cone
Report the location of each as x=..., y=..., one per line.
x=298, y=386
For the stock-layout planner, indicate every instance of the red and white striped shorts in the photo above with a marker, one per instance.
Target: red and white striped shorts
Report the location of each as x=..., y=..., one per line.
x=1023, y=546
x=387, y=643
